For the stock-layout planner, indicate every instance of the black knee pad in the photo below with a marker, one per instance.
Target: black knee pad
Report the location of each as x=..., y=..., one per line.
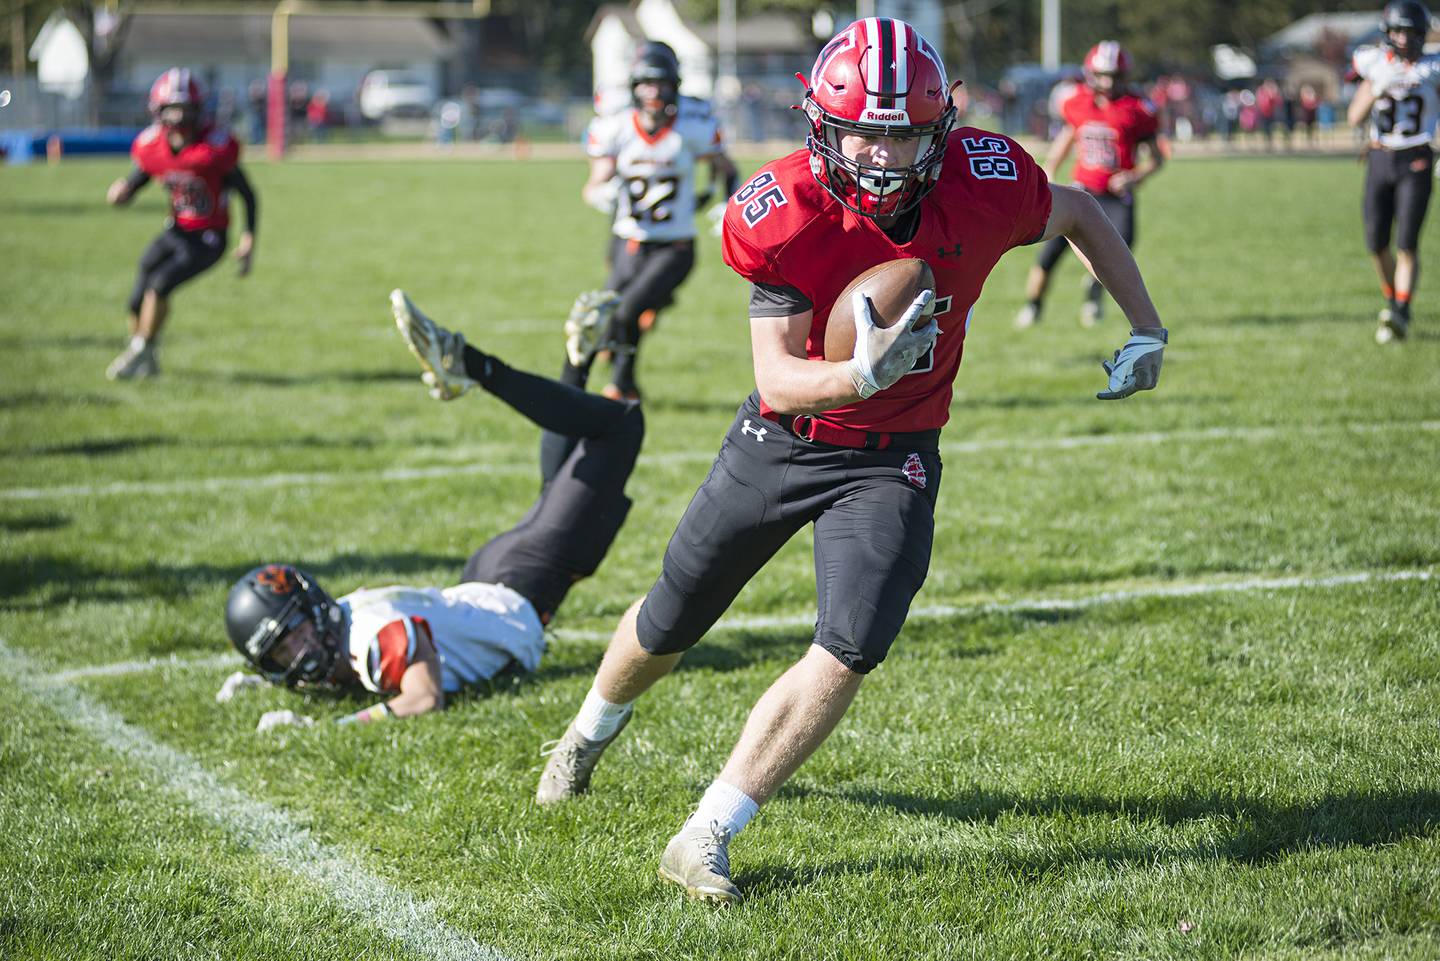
x=662, y=625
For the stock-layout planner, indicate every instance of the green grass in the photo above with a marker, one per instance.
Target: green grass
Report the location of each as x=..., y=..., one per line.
x=1241, y=774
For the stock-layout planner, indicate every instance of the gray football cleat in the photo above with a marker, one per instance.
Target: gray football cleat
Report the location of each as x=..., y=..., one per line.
x=587, y=324
x=134, y=364
x=698, y=860
x=572, y=761
x=1027, y=317
x=441, y=352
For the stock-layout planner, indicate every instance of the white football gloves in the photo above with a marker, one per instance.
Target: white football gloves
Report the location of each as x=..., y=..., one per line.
x=274, y=719
x=604, y=197
x=885, y=354
x=234, y=683
x=1136, y=365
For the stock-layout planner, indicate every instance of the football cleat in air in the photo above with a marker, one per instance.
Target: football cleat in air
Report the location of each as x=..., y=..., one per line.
x=134, y=364
x=698, y=859
x=440, y=352
x=588, y=321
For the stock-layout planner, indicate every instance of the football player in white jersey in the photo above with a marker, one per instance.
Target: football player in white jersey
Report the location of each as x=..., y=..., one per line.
x=415, y=645
x=643, y=161
x=1399, y=100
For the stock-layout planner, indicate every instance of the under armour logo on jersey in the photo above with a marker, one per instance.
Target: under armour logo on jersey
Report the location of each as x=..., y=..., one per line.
x=954, y=251
x=914, y=471
x=759, y=432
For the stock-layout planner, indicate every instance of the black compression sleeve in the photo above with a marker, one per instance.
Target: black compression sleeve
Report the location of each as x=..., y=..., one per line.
x=136, y=179
x=237, y=181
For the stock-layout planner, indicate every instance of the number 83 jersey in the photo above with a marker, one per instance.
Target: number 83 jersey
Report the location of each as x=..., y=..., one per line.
x=656, y=170
x=1407, y=107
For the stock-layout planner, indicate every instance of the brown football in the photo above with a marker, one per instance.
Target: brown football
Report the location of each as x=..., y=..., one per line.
x=891, y=287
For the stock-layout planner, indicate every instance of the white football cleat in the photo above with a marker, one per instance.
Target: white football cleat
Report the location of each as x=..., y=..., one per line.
x=588, y=322
x=441, y=352
x=1027, y=317
x=1090, y=313
x=698, y=859
x=134, y=363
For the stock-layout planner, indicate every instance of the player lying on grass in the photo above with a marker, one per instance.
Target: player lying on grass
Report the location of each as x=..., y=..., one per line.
x=418, y=644
x=199, y=164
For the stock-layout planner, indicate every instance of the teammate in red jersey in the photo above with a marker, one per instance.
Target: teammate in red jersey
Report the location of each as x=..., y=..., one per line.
x=199, y=165
x=1111, y=127
x=850, y=447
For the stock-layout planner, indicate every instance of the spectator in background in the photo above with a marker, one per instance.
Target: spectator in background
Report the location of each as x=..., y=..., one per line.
x=317, y=116
x=257, y=100
x=469, y=130
x=299, y=102
x=1270, y=103
x=1309, y=110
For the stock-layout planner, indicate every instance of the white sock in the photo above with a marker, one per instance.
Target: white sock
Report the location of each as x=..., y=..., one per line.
x=727, y=804
x=598, y=718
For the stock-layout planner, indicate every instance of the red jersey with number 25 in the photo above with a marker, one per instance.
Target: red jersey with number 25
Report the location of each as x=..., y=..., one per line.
x=195, y=176
x=782, y=228
x=1106, y=135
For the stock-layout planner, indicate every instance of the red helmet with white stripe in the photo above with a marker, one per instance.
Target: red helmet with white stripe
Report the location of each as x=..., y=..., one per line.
x=1106, y=59
x=176, y=87
x=878, y=78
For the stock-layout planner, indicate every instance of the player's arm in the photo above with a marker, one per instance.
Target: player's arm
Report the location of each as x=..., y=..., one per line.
x=124, y=188
x=245, y=250
x=1361, y=104
x=600, y=188
x=420, y=690
x=1130, y=179
x=1059, y=150
x=1076, y=216
x=787, y=380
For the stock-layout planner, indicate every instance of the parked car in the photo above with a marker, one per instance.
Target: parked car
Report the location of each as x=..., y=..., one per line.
x=394, y=93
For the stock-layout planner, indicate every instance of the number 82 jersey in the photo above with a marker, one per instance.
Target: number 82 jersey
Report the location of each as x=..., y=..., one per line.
x=1407, y=107
x=656, y=170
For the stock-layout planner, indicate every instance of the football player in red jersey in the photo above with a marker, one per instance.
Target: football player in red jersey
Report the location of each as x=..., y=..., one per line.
x=850, y=447
x=199, y=165
x=1111, y=127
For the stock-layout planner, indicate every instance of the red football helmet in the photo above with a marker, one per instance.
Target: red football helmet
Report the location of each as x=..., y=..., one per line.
x=878, y=78
x=176, y=87
x=1106, y=59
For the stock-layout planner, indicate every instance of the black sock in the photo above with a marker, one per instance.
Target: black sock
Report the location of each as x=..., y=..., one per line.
x=562, y=408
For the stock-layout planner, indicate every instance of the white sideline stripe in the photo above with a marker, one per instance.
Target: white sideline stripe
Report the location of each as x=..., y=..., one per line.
x=255, y=824
x=218, y=484
x=930, y=612
x=173, y=662
x=941, y=611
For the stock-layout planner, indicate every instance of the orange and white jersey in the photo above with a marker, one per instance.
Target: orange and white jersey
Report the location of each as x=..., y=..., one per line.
x=656, y=170
x=477, y=629
x=1407, y=108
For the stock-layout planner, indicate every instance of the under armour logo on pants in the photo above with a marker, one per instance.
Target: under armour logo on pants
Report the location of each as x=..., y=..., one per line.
x=759, y=432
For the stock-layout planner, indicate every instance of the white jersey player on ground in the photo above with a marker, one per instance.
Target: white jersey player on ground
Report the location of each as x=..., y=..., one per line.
x=1398, y=100
x=643, y=162
x=417, y=645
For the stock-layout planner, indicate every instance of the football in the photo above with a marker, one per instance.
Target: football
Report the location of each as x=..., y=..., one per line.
x=891, y=287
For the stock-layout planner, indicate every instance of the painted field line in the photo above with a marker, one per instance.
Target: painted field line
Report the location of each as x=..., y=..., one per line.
x=1191, y=589
x=928, y=612
x=254, y=824
x=211, y=485
x=121, y=668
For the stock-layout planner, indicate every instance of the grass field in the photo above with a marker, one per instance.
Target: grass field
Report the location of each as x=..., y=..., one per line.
x=1172, y=690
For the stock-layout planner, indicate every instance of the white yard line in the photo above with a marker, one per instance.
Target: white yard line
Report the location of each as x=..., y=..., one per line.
x=928, y=612
x=943, y=611
x=255, y=824
x=211, y=485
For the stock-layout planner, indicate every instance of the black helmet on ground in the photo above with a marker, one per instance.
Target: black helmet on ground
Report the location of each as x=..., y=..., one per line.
x=269, y=605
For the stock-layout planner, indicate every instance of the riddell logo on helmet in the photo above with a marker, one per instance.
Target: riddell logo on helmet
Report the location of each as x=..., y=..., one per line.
x=885, y=116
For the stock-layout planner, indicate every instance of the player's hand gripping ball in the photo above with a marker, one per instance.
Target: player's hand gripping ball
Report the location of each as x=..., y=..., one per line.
x=892, y=287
